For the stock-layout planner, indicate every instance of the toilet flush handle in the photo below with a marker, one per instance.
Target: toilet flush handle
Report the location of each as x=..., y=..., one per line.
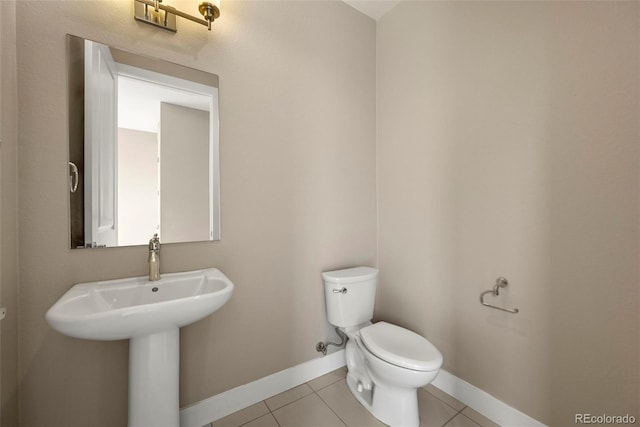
x=343, y=290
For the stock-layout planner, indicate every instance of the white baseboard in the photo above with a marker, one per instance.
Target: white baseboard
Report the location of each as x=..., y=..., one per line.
x=481, y=401
x=215, y=407
x=206, y=411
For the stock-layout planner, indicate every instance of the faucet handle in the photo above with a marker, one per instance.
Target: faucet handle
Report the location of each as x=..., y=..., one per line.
x=154, y=243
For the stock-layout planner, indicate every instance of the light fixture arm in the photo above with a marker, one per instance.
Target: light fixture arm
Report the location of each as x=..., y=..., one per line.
x=209, y=11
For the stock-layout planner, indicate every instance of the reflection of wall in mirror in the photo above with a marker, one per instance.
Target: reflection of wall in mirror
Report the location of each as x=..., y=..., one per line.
x=184, y=173
x=138, y=206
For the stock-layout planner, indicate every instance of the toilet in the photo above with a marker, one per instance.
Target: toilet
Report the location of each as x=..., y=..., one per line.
x=386, y=363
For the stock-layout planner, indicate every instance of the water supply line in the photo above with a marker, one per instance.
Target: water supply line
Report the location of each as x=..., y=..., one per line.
x=321, y=347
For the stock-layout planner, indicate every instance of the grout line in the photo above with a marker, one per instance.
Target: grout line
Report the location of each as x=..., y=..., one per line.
x=293, y=401
x=276, y=420
x=328, y=385
x=330, y=408
x=456, y=414
x=271, y=413
x=431, y=394
x=253, y=419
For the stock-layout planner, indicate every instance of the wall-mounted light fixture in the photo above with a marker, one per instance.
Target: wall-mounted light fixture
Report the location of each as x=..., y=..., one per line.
x=155, y=13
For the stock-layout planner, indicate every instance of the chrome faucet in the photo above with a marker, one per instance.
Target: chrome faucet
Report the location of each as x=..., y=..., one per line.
x=154, y=258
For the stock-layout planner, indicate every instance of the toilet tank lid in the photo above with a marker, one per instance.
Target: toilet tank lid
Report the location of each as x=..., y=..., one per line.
x=350, y=275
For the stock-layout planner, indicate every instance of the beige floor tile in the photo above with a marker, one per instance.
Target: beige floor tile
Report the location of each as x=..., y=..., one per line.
x=309, y=411
x=433, y=411
x=479, y=418
x=461, y=421
x=288, y=396
x=446, y=398
x=328, y=379
x=263, y=421
x=339, y=398
x=242, y=416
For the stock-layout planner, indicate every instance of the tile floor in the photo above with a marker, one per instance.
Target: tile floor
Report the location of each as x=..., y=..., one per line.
x=327, y=402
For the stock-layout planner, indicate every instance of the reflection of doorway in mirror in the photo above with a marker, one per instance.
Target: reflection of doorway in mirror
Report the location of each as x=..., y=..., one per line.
x=163, y=181
x=100, y=88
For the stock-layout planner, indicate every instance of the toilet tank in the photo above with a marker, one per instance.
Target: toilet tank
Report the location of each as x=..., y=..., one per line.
x=350, y=295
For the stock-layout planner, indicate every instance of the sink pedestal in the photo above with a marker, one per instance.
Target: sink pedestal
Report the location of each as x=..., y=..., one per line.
x=154, y=365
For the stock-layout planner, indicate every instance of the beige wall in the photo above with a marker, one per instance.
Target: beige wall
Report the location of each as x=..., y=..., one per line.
x=297, y=150
x=508, y=146
x=8, y=217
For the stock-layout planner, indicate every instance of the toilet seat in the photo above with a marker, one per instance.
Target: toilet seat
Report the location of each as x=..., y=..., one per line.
x=401, y=347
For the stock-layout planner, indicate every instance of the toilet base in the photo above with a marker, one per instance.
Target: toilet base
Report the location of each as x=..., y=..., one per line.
x=394, y=406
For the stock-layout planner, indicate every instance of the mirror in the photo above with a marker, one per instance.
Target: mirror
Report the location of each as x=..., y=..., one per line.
x=143, y=149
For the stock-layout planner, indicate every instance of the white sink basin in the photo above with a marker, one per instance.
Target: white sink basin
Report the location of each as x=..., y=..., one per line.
x=124, y=308
x=150, y=315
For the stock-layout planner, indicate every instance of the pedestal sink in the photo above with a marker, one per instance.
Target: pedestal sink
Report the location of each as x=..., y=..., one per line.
x=149, y=314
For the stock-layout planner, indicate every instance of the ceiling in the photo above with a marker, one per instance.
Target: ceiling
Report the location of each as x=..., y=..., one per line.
x=373, y=8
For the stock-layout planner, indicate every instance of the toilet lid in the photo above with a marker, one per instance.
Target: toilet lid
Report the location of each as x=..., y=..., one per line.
x=401, y=347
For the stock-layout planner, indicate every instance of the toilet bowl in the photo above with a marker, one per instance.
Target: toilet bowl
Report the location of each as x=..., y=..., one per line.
x=386, y=363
